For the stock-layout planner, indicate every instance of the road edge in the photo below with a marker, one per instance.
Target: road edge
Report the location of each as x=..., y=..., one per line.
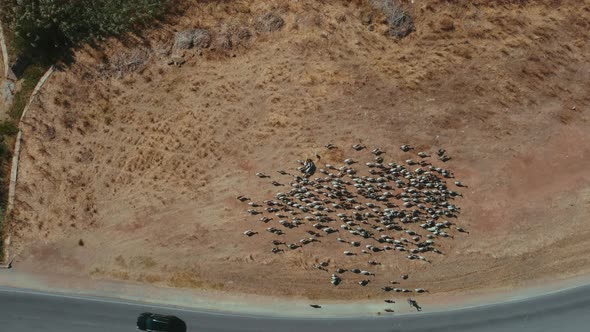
x=245, y=304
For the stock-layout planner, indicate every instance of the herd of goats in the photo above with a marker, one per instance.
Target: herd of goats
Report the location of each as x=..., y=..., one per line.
x=376, y=209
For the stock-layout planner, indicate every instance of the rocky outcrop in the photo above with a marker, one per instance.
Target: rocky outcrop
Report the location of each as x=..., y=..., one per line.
x=269, y=22
x=194, y=38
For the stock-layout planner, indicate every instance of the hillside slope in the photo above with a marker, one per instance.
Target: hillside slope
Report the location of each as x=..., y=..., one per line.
x=130, y=166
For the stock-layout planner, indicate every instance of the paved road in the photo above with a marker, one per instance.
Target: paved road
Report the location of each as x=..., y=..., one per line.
x=22, y=310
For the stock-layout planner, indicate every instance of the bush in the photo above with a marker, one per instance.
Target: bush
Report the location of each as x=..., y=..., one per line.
x=45, y=27
x=31, y=76
x=7, y=128
x=4, y=154
x=400, y=23
x=7, y=8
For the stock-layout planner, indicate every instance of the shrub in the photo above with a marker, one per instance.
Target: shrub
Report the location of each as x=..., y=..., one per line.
x=399, y=22
x=7, y=128
x=4, y=152
x=30, y=78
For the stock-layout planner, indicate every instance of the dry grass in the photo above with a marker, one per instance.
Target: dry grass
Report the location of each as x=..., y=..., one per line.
x=149, y=278
x=184, y=280
x=147, y=164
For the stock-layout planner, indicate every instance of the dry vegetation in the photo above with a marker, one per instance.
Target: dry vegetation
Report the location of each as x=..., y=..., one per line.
x=130, y=169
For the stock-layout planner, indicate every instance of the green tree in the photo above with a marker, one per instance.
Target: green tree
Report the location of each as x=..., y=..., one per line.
x=52, y=25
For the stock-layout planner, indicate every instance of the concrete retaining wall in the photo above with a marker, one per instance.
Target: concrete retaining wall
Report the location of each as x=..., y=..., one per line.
x=4, y=52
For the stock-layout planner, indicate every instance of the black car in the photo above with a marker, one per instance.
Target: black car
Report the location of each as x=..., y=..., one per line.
x=159, y=323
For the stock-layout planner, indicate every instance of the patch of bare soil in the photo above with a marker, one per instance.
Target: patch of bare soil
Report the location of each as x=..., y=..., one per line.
x=130, y=169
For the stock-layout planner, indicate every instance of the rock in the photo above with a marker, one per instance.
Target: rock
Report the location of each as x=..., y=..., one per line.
x=199, y=38
x=7, y=91
x=269, y=22
x=183, y=40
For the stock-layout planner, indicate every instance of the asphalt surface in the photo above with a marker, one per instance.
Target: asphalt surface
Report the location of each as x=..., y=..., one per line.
x=23, y=310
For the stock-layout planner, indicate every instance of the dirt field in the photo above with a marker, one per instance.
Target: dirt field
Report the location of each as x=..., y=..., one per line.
x=131, y=172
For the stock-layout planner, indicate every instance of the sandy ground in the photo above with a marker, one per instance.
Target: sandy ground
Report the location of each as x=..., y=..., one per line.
x=133, y=175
